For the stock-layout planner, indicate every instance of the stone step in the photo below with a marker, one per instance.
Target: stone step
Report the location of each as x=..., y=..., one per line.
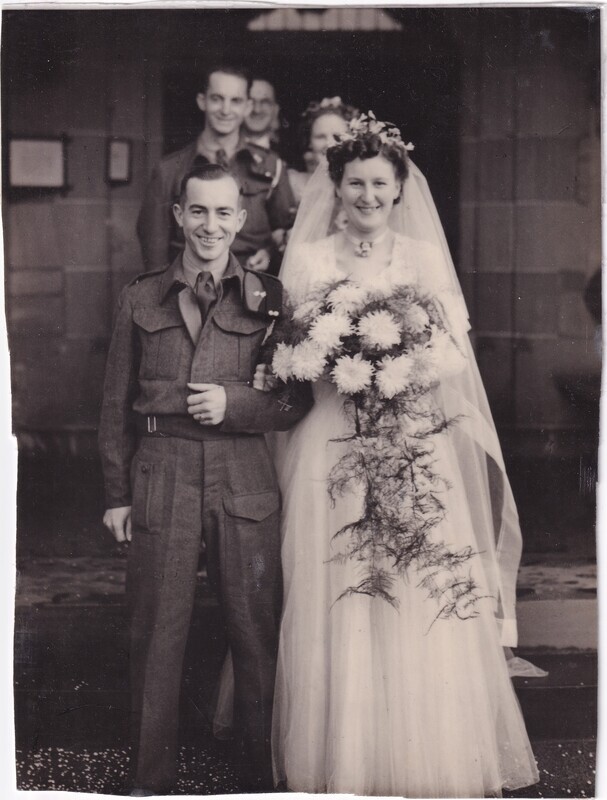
x=561, y=623
x=71, y=671
x=563, y=704
x=99, y=718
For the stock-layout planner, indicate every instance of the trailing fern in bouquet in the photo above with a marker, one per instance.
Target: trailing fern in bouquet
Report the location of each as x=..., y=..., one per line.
x=385, y=346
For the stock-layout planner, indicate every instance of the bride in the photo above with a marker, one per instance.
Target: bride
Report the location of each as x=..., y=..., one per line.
x=400, y=535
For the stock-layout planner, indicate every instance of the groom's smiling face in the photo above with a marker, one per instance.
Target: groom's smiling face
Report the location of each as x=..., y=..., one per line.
x=210, y=216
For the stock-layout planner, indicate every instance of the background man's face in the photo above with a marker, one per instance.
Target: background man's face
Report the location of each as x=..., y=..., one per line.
x=210, y=217
x=264, y=111
x=225, y=103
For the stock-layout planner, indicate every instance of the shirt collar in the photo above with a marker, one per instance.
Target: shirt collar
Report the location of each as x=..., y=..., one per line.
x=176, y=279
x=201, y=150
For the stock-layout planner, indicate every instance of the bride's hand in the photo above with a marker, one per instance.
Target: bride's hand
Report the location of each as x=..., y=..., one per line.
x=263, y=378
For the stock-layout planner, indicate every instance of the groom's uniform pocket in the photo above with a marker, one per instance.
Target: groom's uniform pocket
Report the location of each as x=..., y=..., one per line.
x=241, y=525
x=252, y=548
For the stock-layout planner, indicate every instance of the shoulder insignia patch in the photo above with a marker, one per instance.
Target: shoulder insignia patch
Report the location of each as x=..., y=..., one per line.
x=262, y=294
x=262, y=163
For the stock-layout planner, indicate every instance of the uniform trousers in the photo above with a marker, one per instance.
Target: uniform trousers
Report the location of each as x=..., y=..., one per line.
x=186, y=492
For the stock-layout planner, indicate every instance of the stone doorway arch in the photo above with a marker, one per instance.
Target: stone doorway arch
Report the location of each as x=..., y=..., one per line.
x=408, y=74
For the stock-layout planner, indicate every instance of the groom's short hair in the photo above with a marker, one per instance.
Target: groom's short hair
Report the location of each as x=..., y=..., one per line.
x=207, y=172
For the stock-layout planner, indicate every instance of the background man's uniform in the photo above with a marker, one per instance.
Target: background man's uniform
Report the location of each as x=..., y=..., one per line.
x=267, y=198
x=186, y=481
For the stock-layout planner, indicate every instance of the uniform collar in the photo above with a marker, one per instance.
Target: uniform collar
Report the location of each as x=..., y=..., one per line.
x=265, y=145
x=201, y=150
x=174, y=279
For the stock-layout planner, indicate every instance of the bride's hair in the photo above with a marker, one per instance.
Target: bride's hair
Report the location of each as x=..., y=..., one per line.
x=366, y=145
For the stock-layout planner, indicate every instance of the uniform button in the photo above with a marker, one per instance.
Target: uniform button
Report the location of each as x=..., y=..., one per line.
x=145, y=468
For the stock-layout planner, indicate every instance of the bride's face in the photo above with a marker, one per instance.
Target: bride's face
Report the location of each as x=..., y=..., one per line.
x=368, y=190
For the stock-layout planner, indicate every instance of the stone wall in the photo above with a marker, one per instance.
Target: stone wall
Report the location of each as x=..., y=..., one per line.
x=530, y=239
x=66, y=256
x=529, y=194
x=530, y=211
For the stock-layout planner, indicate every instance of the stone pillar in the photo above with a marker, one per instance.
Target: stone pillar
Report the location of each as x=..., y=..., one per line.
x=530, y=233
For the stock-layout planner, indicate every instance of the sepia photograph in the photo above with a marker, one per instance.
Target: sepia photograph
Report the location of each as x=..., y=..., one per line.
x=304, y=321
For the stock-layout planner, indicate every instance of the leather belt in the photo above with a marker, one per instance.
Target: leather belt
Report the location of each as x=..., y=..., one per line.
x=180, y=427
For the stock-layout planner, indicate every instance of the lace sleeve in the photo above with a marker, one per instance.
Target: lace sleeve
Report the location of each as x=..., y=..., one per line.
x=310, y=263
x=431, y=272
x=297, y=279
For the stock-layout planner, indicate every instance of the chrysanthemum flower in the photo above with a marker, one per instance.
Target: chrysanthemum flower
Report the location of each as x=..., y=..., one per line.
x=448, y=358
x=393, y=375
x=352, y=374
x=308, y=361
x=310, y=308
x=425, y=365
x=382, y=286
x=416, y=319
x=347, y=298
x=282, y=361
x=327, y=330
x=379, y=329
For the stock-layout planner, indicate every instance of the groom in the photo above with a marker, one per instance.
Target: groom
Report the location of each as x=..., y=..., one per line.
x=185, y=462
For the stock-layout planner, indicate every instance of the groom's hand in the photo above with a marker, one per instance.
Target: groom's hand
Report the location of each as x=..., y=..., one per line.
x=118, y=521
x=208, y=403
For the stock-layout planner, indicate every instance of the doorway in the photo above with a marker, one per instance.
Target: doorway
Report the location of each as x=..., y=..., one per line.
x=401, y=76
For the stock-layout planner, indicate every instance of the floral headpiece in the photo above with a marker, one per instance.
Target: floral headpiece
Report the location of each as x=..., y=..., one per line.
x=329, y=104
x=367, y=124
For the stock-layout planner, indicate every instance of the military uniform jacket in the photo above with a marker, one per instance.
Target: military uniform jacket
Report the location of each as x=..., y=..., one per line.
x=267, y=198
x=152, y=358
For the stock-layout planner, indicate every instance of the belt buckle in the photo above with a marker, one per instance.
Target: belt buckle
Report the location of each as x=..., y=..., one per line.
x=151, y=420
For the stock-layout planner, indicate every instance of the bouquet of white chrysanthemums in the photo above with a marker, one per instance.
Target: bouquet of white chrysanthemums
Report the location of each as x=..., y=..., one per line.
x=384, y=345
x=382, y=340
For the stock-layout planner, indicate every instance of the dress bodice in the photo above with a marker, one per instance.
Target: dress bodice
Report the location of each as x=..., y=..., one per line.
x=413, y=263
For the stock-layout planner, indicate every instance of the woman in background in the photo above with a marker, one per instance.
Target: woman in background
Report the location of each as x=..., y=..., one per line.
x=320, y=124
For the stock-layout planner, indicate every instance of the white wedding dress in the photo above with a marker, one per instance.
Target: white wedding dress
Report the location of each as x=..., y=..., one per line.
x=370, y=699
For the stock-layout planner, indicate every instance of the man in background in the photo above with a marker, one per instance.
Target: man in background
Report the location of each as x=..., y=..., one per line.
x=267, y=197
x=262, y=122
x=261, y=126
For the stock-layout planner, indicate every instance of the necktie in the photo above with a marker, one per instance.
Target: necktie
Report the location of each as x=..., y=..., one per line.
x=205, y=293
x=221, y=158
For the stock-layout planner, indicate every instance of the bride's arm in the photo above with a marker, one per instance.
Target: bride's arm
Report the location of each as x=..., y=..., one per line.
x=295, y=288
x=432, y=276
